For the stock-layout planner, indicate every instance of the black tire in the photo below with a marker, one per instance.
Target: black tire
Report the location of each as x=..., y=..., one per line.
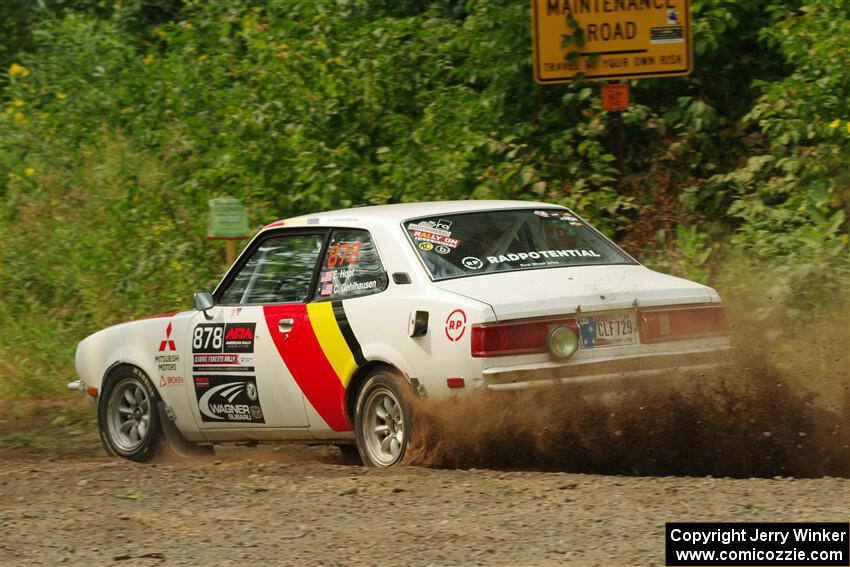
x=127, y=415
x=383, y=441
x=350, y=453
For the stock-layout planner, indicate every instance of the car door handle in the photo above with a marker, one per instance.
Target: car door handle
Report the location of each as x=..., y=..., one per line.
x=285, y=325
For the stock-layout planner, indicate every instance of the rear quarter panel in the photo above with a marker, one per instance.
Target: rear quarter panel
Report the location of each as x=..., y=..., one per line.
x=380, y=321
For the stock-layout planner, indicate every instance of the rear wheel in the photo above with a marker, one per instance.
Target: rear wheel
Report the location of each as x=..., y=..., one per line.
x=382, y=419
x=127, y=416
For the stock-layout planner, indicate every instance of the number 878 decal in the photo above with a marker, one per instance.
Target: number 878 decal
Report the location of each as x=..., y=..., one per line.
x=343, y=253
x=218, y=337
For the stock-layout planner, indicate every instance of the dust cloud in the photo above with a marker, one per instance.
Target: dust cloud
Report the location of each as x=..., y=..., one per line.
x=756, y=418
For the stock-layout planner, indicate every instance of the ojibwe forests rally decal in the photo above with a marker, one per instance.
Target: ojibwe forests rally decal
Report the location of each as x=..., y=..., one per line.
x=228, y=399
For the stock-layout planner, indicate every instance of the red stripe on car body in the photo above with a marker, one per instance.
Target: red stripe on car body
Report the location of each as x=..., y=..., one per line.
x=160, y=316
x=306, y=361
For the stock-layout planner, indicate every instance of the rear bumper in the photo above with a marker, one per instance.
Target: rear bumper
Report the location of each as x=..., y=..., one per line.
x=607, y=371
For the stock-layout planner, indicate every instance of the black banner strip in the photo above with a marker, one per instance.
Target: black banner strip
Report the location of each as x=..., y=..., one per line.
x=348, y=333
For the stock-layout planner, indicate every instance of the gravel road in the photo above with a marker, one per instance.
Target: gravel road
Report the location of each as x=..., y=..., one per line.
x=308, y=507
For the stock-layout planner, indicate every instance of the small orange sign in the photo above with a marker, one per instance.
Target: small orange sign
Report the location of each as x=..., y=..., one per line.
x=615, y=96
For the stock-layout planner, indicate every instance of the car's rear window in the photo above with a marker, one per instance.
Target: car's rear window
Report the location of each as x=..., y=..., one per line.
x=470, y=244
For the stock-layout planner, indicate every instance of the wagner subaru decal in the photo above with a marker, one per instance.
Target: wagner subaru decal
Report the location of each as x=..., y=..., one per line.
x=228, y=399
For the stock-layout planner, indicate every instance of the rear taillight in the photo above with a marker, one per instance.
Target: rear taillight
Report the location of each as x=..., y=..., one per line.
x=522, y=337
x=659, y=325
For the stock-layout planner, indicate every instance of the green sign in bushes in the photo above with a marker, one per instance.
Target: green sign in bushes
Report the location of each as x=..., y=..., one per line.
x=227, y=218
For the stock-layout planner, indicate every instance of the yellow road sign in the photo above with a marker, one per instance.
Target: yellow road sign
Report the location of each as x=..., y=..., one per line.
x=623, y=39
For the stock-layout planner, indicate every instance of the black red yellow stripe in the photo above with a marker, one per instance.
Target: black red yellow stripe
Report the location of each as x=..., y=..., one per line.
x=322, y=354
x=347, y=333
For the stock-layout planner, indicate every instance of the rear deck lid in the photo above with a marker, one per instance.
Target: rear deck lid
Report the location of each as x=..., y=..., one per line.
x=556, y=291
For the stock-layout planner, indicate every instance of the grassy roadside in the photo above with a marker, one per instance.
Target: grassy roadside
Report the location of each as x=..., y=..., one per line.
x=59, y=425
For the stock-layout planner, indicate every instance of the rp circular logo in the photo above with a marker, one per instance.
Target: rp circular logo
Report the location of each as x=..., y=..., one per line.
x=455, y=325
x=472, y=263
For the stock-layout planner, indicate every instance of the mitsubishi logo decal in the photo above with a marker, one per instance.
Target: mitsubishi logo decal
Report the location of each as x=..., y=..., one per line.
x=167, y=344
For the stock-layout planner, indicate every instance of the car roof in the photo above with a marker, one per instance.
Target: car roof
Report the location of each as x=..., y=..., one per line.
x=396, y=213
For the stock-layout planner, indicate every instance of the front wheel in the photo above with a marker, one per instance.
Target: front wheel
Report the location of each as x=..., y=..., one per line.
x=127, y=416
x=382, y=419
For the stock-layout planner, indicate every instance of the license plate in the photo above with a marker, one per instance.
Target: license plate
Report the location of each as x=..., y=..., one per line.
x=608, y=329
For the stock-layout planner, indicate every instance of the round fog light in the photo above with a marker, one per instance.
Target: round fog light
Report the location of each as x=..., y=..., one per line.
x=563, y=342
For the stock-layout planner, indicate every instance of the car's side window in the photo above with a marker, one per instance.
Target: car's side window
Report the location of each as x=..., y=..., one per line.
x=351, y=267
x=279, y=271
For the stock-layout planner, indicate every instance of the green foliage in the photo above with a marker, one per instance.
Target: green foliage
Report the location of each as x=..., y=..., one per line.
x=120, y=120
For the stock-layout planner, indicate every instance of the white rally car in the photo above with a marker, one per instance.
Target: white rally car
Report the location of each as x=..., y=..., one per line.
x=329, y=324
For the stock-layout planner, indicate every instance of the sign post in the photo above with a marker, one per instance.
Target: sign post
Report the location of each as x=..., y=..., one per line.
x=227, y=221
x=615, y=99
x=611, y=40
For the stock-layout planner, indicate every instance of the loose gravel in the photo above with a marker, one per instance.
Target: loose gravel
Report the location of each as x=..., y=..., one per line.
x=261, y=507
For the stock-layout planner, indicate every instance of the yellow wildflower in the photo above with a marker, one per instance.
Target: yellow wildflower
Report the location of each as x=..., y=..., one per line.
x=148, y=59
x=61, y=96
x=20, y=118
x=848, y=126
x=127, y=110
x=338, y=60
x=202, y=58
x=159, y=32
x=835, y=123
x=10, y=109
x=44, y=115
x=18, y=102
x=18, y=70
x=186, y=25
x=29, y=172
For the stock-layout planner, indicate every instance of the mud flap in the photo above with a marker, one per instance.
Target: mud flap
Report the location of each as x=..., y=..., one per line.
x=175, y=439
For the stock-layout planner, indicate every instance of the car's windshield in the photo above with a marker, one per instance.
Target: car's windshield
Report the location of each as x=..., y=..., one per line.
x=469, y=244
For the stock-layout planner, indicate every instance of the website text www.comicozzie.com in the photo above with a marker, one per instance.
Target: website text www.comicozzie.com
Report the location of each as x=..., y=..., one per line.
x=803, y=544
x=779, y=555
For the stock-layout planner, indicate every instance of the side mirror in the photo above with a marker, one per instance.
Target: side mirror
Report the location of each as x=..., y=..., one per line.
x=204, y=301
